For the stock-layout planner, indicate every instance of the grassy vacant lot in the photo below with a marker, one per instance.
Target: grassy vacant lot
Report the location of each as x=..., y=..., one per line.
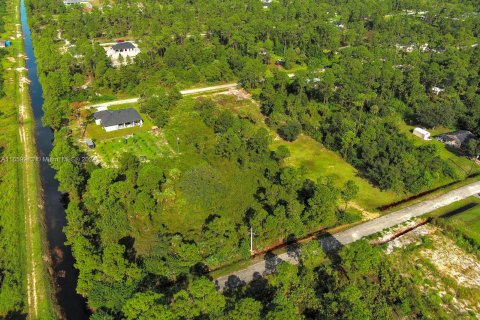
x=464, y=216
x=316, y=161
x=313, y=158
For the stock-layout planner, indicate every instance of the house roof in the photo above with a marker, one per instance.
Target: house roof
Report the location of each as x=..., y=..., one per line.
x=115, y=117
x=460, y=136
x=89, y=142
x=123, y=46
x=421, y=130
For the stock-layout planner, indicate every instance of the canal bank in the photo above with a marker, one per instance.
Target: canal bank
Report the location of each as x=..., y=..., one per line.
x=51, y=215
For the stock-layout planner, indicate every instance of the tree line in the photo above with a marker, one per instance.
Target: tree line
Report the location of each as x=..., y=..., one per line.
x=143, y=234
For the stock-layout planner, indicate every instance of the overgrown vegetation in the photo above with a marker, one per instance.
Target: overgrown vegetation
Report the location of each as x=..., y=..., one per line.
x=12, y=259
x=461, y=221
x=142, y=233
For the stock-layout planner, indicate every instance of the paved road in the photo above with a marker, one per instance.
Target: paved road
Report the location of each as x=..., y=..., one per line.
x=337, y=240
x=183, y=92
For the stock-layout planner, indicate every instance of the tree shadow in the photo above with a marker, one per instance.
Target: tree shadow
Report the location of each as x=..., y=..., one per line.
x=159, y=283
x=200, y=269
x=233, y=281
x=459, y=152
x=330, y=246
x=259, y=289
x=459, y=210
x=271, y=262
x=130, y=252
x=293, y=248
x=15, y=315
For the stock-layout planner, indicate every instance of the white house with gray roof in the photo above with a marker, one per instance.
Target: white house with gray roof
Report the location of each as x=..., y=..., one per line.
x=80, y=2
x=112, y=120
x=125, y=50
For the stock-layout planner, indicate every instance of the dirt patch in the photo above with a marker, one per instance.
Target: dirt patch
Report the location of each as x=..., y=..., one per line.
x=410, y=238
x=240, y=94
x=366, y=215
x=452, y=261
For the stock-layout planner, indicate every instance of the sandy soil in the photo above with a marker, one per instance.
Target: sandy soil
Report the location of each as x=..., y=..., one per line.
x=452, y=261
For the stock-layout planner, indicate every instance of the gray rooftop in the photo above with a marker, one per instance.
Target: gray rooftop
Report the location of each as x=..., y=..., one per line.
x=460, y=136
x=115, y=117
x=123, y=46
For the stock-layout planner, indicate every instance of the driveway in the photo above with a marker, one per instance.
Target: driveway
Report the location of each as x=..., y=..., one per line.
x=340, y=239
x=186, y=92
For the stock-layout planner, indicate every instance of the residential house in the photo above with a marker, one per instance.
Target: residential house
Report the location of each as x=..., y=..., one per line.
x=85, y=3
x=456, y=139
x=125, y=50
x=112, y=120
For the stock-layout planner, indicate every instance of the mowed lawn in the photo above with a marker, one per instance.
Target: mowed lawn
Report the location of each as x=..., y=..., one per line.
x=316, y=161
x=97, y=133
x=137, y=140
x=464, y=215
x=142, y=144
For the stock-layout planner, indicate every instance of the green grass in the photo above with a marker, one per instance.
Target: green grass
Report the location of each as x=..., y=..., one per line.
x=143, y=144
x=20, y=190
x=463, y=166
x=312, y=158
x=316, y=161
x=137, y=140
x=97, y=133
x=464, y=216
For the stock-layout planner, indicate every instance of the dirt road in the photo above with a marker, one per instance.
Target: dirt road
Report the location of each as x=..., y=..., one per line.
x=183, y=92
x=29, y=201
x=337, y=240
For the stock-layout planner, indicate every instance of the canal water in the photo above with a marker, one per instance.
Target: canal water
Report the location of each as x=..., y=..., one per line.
x=73, y=305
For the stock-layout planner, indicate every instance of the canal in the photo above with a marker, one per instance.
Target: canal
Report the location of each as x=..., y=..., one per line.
x=73, y=306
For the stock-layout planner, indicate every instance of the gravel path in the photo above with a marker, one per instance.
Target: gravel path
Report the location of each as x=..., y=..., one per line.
x=337, y=240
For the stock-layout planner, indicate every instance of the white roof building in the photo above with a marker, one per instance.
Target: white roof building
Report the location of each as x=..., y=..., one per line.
x=422, y=133
x=437, y=90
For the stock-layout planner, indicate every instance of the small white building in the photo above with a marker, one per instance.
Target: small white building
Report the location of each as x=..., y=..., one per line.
x=266, y=4
x=122, y=49
x=437, y=90
x=422, y=133
x=112, y=120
